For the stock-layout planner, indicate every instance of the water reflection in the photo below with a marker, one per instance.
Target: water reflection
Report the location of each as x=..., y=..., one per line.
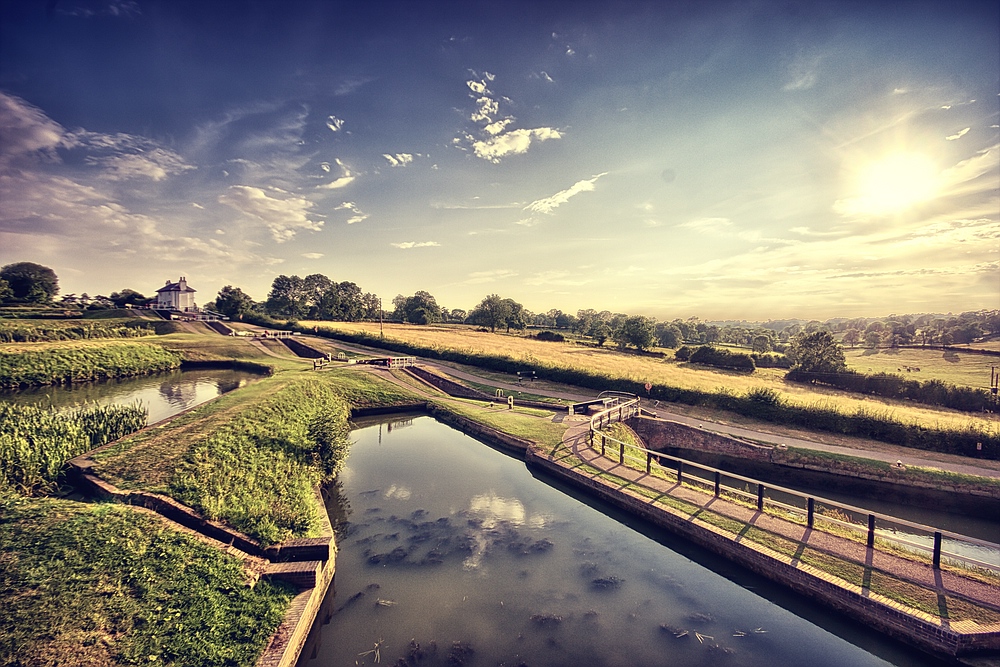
x=164, y=394
x=481, y=563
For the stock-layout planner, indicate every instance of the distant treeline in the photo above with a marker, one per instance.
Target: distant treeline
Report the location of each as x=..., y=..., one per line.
x=890, y=385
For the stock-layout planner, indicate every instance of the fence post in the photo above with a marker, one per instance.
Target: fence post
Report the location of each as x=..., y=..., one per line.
x=649, y=462
x=810, y=504
x=871, y=531
x=760, y=497
x=621, y=452
x=937, y=550
x=680, y=471
x=718, y=483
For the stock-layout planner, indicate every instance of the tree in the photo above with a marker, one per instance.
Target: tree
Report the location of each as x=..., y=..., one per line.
x=818, y=352
x=30, y=282
x=493, y=311
x=421, y=308
x=127, y=297
x=516, y=315
x=852, y=337
x=635, y=330
x=761, y=344
x=6, y=293
x=287, y=297
x=233, y=302
x=668, y=335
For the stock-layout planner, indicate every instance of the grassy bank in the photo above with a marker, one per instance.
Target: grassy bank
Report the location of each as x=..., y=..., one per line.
x=110, y=584
x=34, y=331
x=252, y=458
x=765, y=396
x=39, y=364
x=36, y=442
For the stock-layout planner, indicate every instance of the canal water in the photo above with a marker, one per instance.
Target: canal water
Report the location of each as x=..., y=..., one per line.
x=452, y=553
x=163, y=394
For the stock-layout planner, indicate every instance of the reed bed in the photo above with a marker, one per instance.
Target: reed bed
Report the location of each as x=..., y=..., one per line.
x=40, y=364
x=36, y=442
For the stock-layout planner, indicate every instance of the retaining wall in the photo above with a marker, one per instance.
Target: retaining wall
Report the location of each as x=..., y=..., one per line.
x=871, y=609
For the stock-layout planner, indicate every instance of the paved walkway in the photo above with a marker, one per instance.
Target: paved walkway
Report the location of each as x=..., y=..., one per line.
x=943, y=582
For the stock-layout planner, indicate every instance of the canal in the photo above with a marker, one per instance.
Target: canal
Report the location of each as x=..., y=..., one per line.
x=163, y=394
x=451, y=553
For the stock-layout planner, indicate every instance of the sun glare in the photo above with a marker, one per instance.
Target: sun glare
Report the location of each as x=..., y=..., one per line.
x=894, y=183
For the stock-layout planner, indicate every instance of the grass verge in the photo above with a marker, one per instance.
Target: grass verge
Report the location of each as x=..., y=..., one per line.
x=40, y=364
x=108, y=585
x=252, y=458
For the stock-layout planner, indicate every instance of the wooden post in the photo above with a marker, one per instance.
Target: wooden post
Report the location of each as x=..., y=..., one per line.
x=649, y=462
x=871, y=531
x=810, y=511
x=760, y=497
x=621, y=452
x=603, y=443
x=937, y=550
x=680, y=472
x=718, y=483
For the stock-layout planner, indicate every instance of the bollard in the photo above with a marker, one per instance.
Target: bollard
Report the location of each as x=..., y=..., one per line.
x=937, y=551
x=680, y=472
x=621, y=452
x=810, y=506
x=649, y=462
x=718, y=483
x=603, y=443
x=760, y=497
x=871, y=531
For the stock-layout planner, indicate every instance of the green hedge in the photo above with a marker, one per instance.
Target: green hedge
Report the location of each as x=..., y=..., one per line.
x=972, y=441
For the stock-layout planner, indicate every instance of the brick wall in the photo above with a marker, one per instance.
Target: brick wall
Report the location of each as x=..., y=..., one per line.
x=661, y=434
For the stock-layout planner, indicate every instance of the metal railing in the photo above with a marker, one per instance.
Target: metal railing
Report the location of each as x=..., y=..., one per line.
x=715, y=481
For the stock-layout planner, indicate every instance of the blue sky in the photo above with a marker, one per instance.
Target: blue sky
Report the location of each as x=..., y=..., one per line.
x=727, y=160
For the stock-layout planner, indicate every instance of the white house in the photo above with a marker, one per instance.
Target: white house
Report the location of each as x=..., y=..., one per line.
x=176, y=296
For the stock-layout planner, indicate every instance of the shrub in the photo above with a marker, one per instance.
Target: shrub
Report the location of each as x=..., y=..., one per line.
x=721, y=358
x=683, y=353
x=771, y=360
x=550, y=336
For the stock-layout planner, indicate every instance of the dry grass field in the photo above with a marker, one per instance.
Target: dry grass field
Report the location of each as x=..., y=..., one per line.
x=612, y=363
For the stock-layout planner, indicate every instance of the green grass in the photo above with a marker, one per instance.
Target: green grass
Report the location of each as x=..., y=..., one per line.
x=36, y=442
x=40, y=364
x=540, y=429
x=252, y=458
x=110, y=585
x=959, y=368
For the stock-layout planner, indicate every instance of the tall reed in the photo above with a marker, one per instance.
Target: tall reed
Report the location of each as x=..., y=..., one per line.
x=36, y=442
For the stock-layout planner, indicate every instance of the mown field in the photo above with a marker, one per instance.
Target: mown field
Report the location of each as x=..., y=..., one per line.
x=960, y=368
x=666, y=371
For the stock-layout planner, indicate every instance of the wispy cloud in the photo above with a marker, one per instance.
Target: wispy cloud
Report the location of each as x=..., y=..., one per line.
x=803, y=72
x=406, y=245
x=343, y=181
x=312, y=255
x=358, y=216
x=958, y=135
x=548, y=205
x=480, y=277
x=335, y=124
x=283, y=213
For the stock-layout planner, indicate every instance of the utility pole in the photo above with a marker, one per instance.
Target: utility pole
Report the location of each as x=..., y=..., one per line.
x=380, y=334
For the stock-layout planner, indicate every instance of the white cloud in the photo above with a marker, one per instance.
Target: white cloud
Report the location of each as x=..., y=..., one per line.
x=358, y=216
x=283, y=213
x=399, y=159
x=549, y=204
x=334, y=123
x=346, y=178
x=406, y=245
x=514, y=142
x=312, y=255
x=708, y=224
x=958, y=135
x=802, y=73
x=477, y=87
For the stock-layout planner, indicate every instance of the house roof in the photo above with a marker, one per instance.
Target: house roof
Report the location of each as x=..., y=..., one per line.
x=175, y=287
